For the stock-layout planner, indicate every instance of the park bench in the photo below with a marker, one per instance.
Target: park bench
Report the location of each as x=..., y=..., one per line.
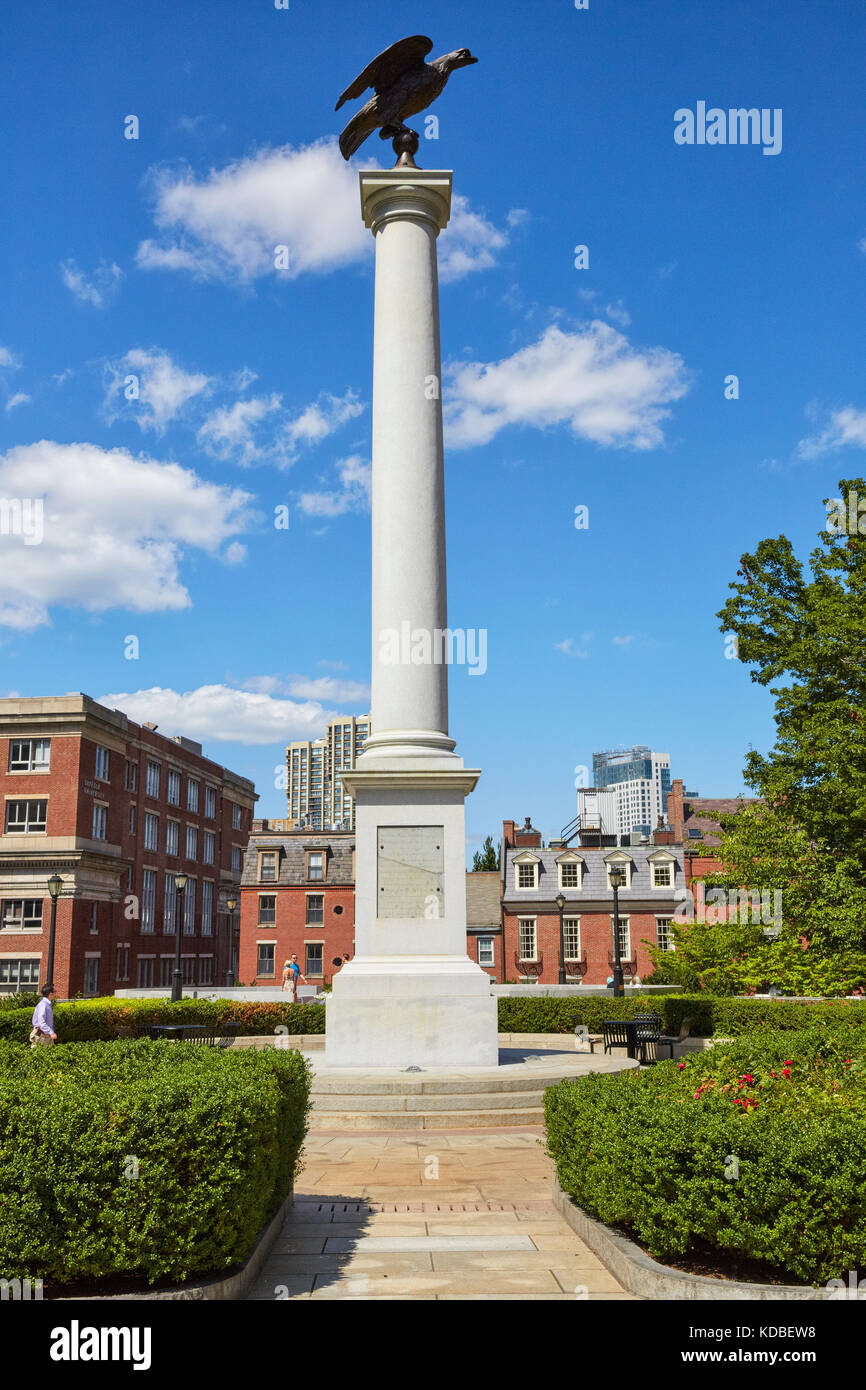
x=669, y=1041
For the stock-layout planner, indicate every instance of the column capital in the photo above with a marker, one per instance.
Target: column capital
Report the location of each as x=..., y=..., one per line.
x=414, y=194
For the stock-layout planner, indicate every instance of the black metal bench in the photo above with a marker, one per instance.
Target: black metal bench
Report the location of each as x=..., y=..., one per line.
x=648, y=1031
x=615, y=1032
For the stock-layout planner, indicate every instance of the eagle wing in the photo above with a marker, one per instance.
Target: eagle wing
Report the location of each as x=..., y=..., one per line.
x=391, y=64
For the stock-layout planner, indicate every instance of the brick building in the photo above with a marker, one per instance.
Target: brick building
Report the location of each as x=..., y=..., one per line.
x=694, y=822
x=484, y=922
x=297, y=897
x=116, y=809
x=532, y=877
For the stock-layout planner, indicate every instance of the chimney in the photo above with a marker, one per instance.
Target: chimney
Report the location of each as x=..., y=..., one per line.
x=148, y=724
x=676, y=816
x=508, y=833
x=528, y=836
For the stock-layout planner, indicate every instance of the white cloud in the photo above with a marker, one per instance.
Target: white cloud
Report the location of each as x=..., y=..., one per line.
x=7, y=358
x=99, y=289
x=618, y=313
x=221, y=714
x=115, y=532
x=622, y=641
x=568, y=648
x=20, y=398
x=355, y=476
x=468, y=243
x=338, y=692
x=227, y=224
x=163, y=387
x=517, y=217
x=591, y=380
x=230, y=430
x=322, y=418
x=844, y=428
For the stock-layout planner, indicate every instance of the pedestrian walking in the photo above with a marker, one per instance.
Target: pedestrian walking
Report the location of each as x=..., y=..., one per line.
x=43, y=1034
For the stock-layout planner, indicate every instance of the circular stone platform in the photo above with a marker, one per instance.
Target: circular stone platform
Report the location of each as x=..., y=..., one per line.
x=483, y=1097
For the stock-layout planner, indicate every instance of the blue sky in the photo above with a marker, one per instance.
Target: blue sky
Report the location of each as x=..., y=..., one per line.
x=603, y=387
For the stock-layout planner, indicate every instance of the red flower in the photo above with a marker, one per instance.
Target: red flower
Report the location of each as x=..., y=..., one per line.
x=787, y=1071
x=748, y=1079
x=680, y=1066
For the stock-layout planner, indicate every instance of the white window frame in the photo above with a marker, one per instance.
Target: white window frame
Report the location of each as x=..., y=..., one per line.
x=624, y=927
x=193, y=788
x=670, y=936
x=148, y=901
x=30, y=764
x=152, y=777
x=191, y=839
x=208, y=847
x=91, y=957
x=619, y=861
x=210, y=802
x=172, y=838
x=576, y=864
x=102, y=763
x=259, y=975
x=100, y=821
x=485, y=944
x=151, y=841
x=526, y=861
x=207, y=902
x=570, y=923
x=37, y=828
x=173, y=787
x=524, y=924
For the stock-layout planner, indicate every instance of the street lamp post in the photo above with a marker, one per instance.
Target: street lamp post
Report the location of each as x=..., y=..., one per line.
x=231, y=904
x=560, y=903
x=176, y=976
x=55, y=883
x=617, y=881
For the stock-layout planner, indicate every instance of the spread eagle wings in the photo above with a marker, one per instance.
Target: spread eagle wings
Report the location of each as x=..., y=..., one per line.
x=391, y=64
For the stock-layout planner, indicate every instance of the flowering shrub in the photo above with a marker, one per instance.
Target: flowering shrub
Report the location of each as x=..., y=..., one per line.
x=752, y=1147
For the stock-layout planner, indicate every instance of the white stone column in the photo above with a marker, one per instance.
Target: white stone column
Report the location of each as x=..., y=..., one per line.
x=410, y=996
x=405, y=209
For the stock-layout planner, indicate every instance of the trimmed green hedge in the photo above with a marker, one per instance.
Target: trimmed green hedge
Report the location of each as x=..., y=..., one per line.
x=709, y=1013
x=731, y=1148
x=143, y=1158
x=89, y=1020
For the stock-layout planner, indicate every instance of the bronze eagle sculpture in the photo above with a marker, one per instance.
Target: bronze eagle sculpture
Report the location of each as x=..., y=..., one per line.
x=404, y=85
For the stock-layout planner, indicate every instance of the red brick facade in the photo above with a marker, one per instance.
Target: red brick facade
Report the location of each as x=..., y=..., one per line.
x=93, y=814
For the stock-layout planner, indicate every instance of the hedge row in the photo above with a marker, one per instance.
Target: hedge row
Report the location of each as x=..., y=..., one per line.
x=143, y=1158
x=678, y=1158
x=709, y=1014
x=90, y=1020
x=93, y=1019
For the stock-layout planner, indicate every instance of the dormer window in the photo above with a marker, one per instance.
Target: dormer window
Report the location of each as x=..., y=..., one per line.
x=623, y=864
x=526, y=872
x=569, y=868
x=268, y=866
x=315, y=865
x=662, y=867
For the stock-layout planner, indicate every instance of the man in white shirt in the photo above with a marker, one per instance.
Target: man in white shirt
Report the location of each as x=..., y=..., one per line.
x=43, y=1034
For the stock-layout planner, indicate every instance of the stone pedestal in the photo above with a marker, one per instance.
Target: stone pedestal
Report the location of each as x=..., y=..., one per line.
x=410, y=996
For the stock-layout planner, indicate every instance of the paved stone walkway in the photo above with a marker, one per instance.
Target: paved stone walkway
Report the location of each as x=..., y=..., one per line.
x=462, y=1214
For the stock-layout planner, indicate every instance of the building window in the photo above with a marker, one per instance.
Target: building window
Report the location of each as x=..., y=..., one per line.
x=236, y=859
x=94, y=918
x=624, y=937
x=526, y=876
x=121, y=963
x=151, y=830
x=101, y=763
x=205, y=970
x=191, y=795
x=267, y=909
x=313, y=965
x=315, y=866
x=265, y=966
x=173, y=790
x=21, y=914
x=130, y=776
x=132, y=820
x=236, y=816
x=191, y=842
x=148, y=900
x=91, y=974
x=696, y=834
x=207, y=907
x=485, y=951
x=152, y=785
x=172, y=838
x=169, y=907
x=664, y=935
x=526, y=938
x=662, y=875
x=187, y=969
x=166, y=966
x=100, y=821
x=26, y=817
x=625, y=866
x=144, y=972
x=268, y=867
x=29, y=754
x=569, y=874
x=571, y=937
x=208, y=846
x=17, y=975
x=189, y=908
x=315, y=909
x=210, y=803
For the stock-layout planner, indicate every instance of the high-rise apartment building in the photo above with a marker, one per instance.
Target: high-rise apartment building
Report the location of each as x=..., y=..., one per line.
x=641, y=780
x=317, y=799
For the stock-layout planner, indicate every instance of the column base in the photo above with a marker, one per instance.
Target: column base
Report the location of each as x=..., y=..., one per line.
x=416, y=1012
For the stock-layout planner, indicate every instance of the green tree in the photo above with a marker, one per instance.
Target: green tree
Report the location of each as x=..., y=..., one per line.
x=487, y=858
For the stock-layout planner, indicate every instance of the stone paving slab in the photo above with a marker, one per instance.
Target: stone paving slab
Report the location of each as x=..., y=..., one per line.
x=369, y=1223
